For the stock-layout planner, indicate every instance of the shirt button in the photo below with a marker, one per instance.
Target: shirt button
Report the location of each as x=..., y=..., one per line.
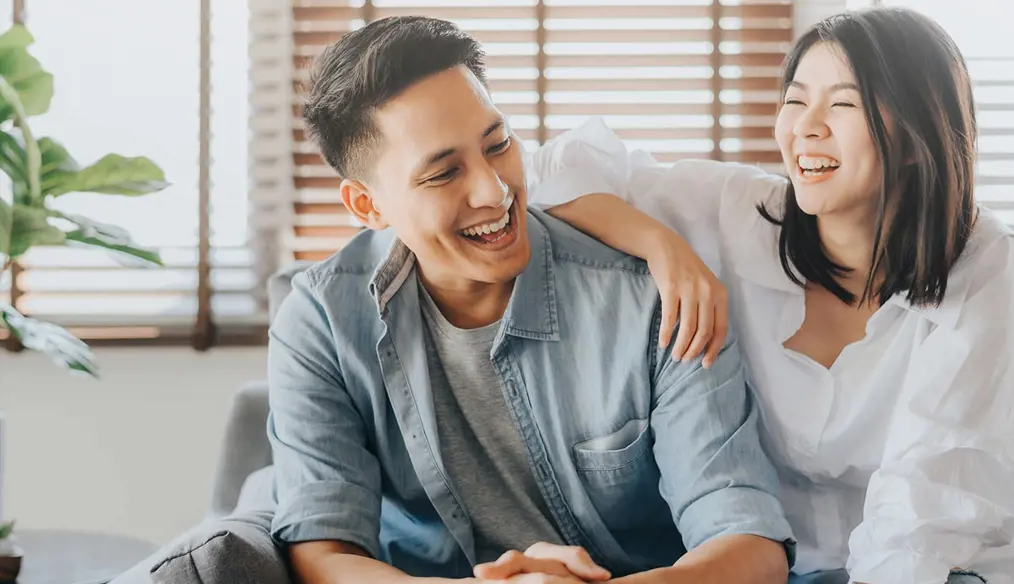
x=512, y=390
x=543, y=470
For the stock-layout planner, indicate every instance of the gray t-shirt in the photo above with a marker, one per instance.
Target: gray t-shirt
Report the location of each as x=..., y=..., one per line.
x=479, y=442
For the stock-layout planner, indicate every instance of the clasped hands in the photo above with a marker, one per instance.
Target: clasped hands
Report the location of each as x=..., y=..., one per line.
x=543, y=563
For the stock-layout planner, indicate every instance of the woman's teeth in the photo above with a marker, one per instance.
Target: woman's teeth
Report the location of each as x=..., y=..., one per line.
x=817, y=164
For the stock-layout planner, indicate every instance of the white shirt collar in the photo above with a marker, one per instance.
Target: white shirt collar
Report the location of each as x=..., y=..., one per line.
x=763, y=267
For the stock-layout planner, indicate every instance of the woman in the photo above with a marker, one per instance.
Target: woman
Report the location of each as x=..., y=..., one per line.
x=871, y=295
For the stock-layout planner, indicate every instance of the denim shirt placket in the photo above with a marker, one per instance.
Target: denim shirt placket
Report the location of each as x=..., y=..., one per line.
x=400, y=353
x=521, y=411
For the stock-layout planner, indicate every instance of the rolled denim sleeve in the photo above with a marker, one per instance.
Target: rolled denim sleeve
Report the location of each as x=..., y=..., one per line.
x=715, y=475
x=327, y=480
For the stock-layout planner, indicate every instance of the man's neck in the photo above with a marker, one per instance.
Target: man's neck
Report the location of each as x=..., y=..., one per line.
x=466, y=304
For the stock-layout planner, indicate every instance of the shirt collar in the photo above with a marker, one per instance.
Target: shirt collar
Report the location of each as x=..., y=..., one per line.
x=988, y=228
x=761, y=264
x=531, y=312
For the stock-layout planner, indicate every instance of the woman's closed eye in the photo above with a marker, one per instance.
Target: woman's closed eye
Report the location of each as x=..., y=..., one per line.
x=792, y=101
x=498, y=148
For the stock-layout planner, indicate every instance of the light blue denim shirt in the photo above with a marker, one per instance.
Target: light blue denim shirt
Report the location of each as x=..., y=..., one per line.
x=639, y=457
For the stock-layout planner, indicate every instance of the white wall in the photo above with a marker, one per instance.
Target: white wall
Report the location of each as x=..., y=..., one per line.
x=135, y=452
x=132, y=453
x=810, y=12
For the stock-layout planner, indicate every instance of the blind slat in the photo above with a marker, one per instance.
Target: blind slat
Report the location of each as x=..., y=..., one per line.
x=671, y=70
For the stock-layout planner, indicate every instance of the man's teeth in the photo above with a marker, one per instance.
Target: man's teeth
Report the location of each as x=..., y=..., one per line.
x=817, y=163
x=488, y=228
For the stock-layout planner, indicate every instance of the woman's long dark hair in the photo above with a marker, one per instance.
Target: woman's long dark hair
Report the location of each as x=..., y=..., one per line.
x=910, y=72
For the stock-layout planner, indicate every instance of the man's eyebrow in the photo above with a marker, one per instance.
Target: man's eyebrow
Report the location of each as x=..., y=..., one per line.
x=437, y=157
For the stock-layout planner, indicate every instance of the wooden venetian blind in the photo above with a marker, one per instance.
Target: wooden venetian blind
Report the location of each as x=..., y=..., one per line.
x=183, y=105
x=678, y=78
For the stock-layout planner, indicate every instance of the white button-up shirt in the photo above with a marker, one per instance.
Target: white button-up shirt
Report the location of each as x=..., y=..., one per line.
x=897, y=462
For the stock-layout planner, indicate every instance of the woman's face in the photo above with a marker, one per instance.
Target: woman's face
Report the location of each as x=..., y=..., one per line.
x=825, y=141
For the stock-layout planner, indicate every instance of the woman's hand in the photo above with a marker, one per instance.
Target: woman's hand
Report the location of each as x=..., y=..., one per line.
x=691, y=294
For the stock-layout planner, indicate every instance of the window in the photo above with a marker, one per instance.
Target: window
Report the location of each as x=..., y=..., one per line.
x=127, y=80
x=650, y=68
x=983, y=35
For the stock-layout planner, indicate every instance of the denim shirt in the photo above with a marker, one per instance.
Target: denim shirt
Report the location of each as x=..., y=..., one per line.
x=639, y=457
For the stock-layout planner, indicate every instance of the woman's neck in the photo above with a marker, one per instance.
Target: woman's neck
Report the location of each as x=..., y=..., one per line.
x=849, y=243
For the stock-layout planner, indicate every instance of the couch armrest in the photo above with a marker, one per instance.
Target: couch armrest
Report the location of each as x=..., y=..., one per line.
x=245, y=447
x=235, y=550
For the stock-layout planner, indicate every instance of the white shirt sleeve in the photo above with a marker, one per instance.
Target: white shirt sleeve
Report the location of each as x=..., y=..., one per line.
x=943, y=497
x=688, y=196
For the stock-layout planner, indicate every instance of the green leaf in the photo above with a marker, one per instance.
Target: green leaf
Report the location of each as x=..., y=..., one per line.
x=13, y=158
x=52, y=340
x=17, y=37
x=6, y=228
x=31, y=228
x=24, y=73
x=28, y=192
x=57, y=164
x=6, y=529
x=55, y=158
x=109, y=237
x=114, y=175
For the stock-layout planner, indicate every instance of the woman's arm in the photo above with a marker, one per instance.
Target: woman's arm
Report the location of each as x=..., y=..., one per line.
x=687, y=287
x=665, y=214
x=943, y=498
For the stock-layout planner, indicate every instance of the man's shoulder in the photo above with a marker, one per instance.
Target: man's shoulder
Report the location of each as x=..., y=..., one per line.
x=572, y=248
x=355, y=263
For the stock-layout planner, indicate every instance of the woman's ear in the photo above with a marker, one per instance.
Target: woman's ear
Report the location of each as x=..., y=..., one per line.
x=358, y=200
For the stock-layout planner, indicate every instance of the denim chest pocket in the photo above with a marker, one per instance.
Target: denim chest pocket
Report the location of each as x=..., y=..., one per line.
x=620, y=475
x=615, y=451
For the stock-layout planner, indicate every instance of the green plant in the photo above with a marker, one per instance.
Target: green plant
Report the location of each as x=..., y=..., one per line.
x=40, y=171
x=6, y=529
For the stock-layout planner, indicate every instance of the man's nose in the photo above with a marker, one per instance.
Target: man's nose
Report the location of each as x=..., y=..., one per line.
x=489, y=190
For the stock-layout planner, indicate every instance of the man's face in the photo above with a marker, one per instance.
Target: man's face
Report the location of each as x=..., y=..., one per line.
x=448, y=177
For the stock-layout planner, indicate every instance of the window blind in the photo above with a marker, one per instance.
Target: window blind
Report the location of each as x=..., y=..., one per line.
x=678, y=78
x=136, y=90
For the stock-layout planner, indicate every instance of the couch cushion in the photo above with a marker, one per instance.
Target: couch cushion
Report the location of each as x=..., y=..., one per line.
x=236, y=550
x=258, y=492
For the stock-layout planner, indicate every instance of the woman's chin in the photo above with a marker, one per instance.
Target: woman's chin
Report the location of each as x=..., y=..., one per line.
x=809, y=202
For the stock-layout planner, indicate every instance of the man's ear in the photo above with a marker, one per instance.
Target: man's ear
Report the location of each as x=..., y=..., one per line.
x=359, y=202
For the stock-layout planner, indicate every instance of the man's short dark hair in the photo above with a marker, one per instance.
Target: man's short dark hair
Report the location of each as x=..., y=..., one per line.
x=369, y=67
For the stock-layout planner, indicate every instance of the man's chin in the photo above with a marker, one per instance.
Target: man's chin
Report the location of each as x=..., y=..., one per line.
x=506, y=268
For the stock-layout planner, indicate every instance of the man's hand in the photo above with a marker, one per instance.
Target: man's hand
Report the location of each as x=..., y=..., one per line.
x=544, y=563
x=690, y=291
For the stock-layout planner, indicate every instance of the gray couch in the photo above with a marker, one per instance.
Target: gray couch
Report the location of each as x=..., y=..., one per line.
x=233, y=545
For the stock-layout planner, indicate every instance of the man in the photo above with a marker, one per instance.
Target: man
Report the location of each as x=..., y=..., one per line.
x=459, y=384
